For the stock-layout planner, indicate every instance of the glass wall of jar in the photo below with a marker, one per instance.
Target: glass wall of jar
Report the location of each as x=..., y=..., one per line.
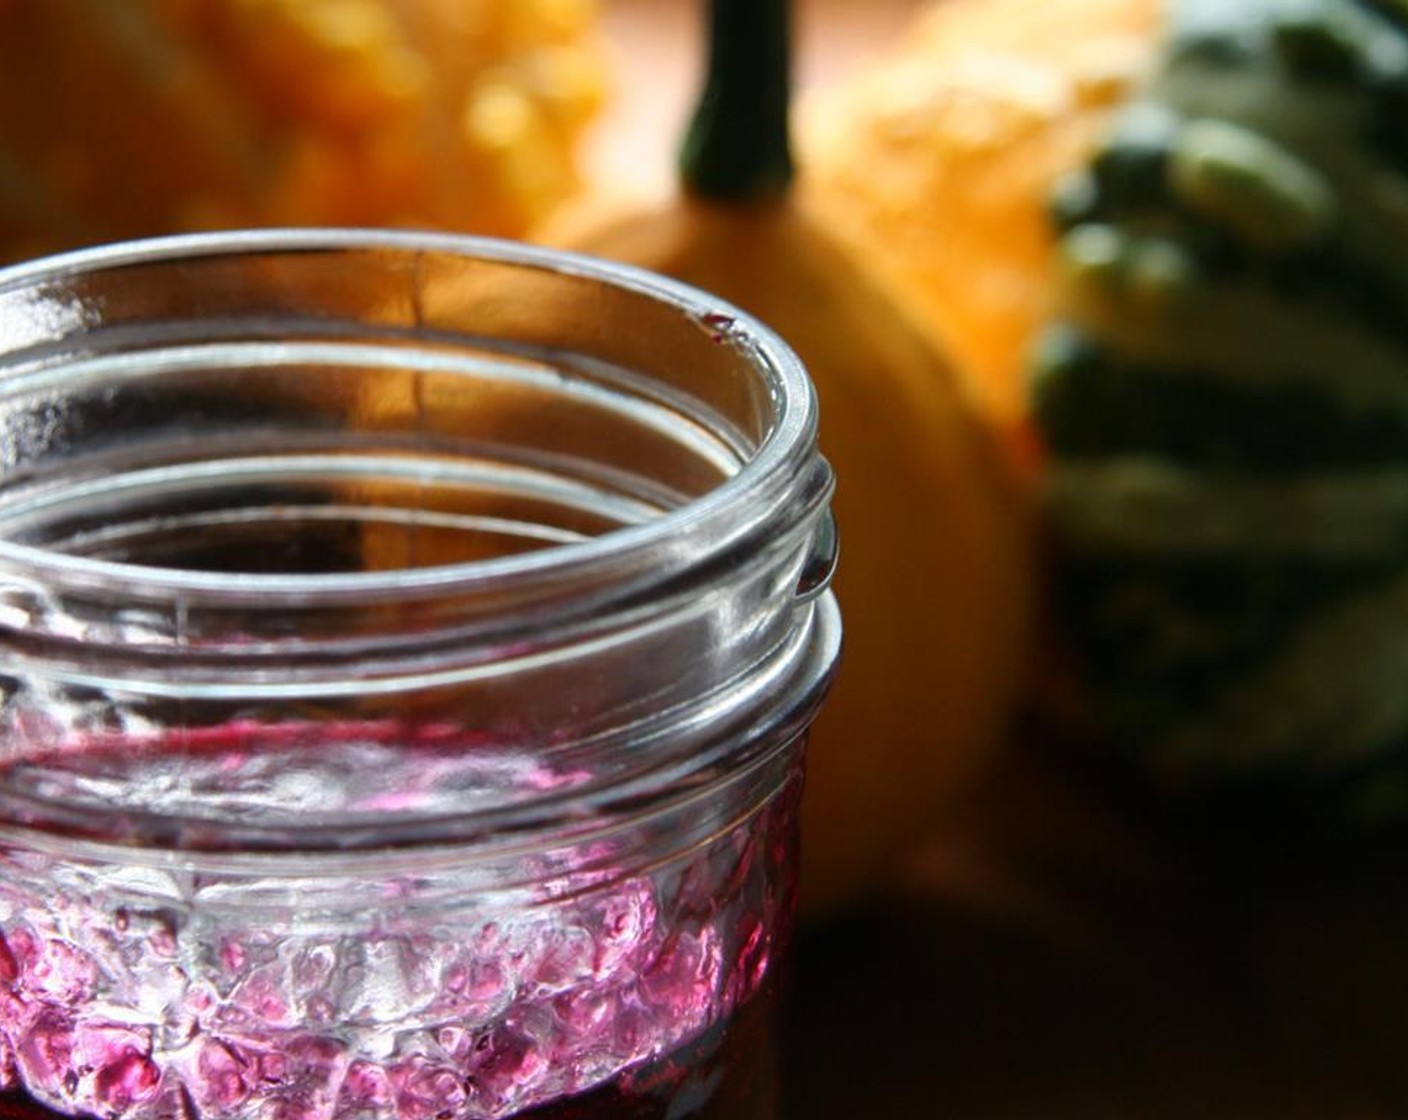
x=407, y=644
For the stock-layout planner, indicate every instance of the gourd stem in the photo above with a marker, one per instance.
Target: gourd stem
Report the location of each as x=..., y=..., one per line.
x=738, y=146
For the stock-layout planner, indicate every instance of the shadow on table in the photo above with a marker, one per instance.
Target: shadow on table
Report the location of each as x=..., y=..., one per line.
x=1073, y=950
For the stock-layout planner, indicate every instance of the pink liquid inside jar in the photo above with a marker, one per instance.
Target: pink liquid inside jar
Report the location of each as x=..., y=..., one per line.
x=409, y=644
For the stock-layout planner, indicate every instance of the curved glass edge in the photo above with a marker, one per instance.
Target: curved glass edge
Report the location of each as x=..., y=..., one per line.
x=785, y=453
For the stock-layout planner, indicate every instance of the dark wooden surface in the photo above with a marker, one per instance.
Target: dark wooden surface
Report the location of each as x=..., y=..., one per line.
x=1070, y=949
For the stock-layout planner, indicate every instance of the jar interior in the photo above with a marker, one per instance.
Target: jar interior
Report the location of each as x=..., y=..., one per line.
x=322, y=412
x=244, y=409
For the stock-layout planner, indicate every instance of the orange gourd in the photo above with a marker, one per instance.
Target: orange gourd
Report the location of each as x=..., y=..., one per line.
x=933, y=582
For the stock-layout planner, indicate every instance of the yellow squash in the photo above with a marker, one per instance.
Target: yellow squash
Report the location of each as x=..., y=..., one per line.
x=121, y=118
x=938, y=162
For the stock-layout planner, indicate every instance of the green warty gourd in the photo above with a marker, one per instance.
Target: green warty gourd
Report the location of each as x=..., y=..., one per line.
x=1224, y=397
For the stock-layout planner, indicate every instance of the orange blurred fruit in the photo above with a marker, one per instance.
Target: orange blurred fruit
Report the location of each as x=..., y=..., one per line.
x=938, y=163
x=137, y=117
x=935, y=580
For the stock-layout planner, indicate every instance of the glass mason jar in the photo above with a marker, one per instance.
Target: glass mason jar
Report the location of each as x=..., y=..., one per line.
x=408, y=646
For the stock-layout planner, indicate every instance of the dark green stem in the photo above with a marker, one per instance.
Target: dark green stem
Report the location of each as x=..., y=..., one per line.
x=738, y=148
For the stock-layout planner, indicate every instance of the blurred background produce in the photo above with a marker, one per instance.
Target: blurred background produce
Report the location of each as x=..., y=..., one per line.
x=935, y=584
x=1207, y=199
x=939, y=159
x=1224, y=405
x=125, y=118
x=1184, y=220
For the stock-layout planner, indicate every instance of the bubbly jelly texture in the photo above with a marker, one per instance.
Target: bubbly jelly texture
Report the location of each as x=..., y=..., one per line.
x=147, y=989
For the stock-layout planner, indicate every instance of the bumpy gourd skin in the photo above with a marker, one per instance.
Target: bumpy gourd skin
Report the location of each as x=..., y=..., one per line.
x=1225, y=402
x=935, y=161
x=124, y=118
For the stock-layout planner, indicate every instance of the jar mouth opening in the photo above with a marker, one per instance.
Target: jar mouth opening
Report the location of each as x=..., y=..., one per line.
x=783, y=452
x=323, y=540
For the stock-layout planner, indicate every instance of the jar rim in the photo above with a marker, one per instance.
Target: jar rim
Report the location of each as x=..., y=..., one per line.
x=784, y=451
